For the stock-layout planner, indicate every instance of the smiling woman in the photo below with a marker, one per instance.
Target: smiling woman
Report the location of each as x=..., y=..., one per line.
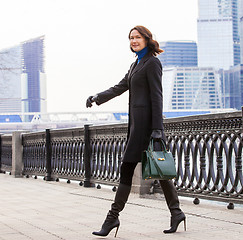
x=144, y=84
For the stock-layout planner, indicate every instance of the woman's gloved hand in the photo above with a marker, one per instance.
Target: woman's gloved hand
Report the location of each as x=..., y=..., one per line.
x=156, y=134
x=90, y=100
x=157, y=137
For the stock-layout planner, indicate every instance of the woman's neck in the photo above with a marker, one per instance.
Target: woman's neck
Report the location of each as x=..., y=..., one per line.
x=142, y=53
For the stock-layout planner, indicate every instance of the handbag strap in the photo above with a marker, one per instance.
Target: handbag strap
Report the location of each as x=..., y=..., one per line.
x=151, y=145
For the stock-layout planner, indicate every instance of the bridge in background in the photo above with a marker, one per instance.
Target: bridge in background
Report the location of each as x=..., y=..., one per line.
x=36, y=121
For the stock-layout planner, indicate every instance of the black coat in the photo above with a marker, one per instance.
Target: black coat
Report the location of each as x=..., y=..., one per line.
x=144, y=82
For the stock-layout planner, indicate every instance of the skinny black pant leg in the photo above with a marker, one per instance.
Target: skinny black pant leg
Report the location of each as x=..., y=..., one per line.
x=127, y=171
x=123, y=190
x=171, y=196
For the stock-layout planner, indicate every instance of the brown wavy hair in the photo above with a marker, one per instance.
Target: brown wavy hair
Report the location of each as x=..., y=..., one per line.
x=152, y=44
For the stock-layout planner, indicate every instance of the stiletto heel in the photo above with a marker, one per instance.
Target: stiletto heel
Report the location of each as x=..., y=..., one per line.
x=117, y=230
x=175, y=221
x=108, y=225
x=112, y=220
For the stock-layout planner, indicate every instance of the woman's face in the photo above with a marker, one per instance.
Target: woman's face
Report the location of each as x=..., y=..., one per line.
x=137, y=41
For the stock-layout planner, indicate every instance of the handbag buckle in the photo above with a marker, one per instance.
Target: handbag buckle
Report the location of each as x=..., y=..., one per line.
x=161, y=159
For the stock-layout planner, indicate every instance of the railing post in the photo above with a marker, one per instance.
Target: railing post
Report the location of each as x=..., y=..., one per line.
x=17, y=154
x=139, y=185
x=48, y=176
x=87, y=155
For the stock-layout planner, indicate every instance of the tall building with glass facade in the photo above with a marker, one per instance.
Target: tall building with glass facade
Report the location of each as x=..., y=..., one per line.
x=191, y=88
x=33, y=76
x=10, y=80
x=178, y=53
x=218, y=33
x=22, y=77
x=232, y=87
x=241, y=30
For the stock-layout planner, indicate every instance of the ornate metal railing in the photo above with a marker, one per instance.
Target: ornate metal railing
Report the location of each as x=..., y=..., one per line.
x=208, y=154
x=34, y=153
x=67, y=153
x=107, y=146
x=103, y=150
x=5, y=153
x=207, y=151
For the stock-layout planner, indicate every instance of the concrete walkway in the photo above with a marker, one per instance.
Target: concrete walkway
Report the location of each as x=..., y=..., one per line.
x=38, y=210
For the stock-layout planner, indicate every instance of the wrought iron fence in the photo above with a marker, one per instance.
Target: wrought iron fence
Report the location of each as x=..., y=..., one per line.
x=34, y=153
x=107, y=146
x=67, y=153
x=207, y=151
x=76, y=154
x=208, y=154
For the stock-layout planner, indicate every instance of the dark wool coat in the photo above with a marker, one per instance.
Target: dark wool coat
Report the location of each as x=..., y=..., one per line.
x=144, y=82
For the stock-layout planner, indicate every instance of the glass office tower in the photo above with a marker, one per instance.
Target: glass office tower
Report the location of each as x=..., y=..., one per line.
x=10, y=79
x=22, y=78
x=33, y=76
x=241, y=30
x=178, y=53
x=232, y=87
x=191, y=88
x=218, y=33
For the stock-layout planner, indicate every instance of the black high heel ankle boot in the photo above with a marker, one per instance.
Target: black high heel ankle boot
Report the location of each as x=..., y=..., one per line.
x=110, y=223
x=112, y=220
x=175, y=221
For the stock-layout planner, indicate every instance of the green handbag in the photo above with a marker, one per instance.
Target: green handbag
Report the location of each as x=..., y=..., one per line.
x=158, y=164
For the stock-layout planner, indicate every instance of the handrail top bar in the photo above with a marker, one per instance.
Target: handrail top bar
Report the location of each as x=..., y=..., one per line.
x=6, y=135
x=207, y=116
x=91, y=126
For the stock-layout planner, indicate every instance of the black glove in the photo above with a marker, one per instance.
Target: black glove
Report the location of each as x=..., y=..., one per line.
x=90, y=100
x=157, y=137
x=156, y=134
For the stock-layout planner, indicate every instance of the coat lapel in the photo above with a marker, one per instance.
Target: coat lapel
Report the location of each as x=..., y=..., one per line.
x=138, y=66
x=132, y=68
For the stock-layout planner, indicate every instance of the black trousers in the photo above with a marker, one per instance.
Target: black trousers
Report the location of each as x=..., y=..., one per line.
x=127, y=171
x=169, y=190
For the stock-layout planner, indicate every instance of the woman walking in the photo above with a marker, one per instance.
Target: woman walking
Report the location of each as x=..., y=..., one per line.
x=144, y=82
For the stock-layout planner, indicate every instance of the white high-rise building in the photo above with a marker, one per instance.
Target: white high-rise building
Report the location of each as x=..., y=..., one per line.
x=10, y=80
x=23, y=78
x=218, y=33
x=191, y=88
x=241, y=30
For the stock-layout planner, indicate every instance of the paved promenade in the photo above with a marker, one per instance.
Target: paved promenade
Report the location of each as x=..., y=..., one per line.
x=39, y=210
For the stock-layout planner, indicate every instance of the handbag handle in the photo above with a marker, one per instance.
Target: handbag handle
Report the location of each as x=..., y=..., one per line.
x=151, y=144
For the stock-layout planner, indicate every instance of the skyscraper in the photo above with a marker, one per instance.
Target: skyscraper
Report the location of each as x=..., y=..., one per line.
x=10, y=79
x=191, y=88
x=178, y=54
x=232, y=87
x=241, y=30
x=22, y=77
x=218, y=33
x=33, y=76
